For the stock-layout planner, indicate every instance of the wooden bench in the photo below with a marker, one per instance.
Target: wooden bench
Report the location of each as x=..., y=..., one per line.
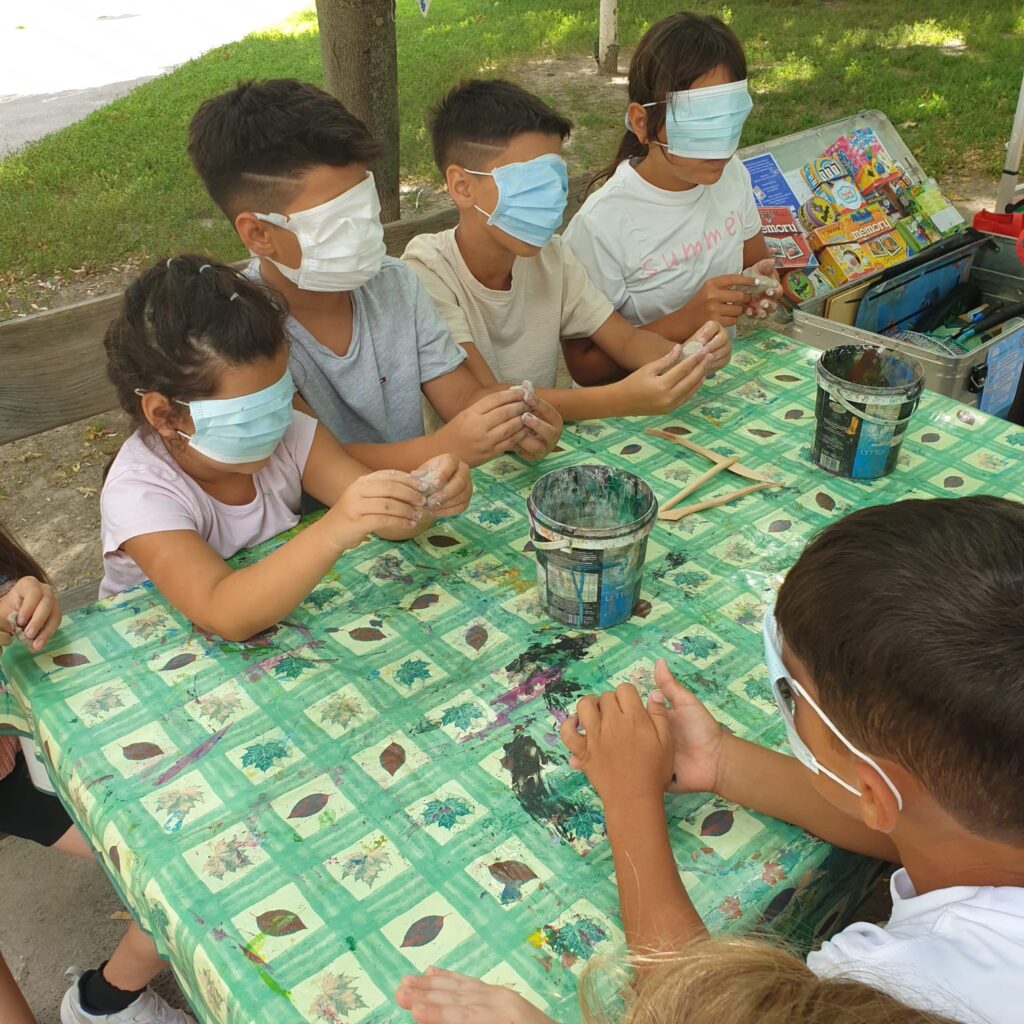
x=54, y=367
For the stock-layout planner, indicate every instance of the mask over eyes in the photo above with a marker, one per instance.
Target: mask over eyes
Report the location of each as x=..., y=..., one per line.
x=243, y=429
x=342, y=240
x=705, y=124
x=531, y=198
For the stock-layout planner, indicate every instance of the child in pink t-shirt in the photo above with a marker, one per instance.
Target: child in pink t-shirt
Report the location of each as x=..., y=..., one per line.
x=220, y=458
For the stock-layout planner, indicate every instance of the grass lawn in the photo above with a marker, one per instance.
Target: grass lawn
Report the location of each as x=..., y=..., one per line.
x=117, y=186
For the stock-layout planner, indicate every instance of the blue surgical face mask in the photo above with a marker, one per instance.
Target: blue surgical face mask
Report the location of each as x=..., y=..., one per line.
x=243, y=429
x=705, y=124
x=531, y=198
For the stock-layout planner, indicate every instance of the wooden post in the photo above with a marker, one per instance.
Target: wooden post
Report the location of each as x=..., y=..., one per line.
x=608, y=38
x=360, y=57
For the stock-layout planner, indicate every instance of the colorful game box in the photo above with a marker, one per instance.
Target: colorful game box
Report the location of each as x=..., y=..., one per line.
x=866, y=160
x=844, y=263
x=785, y=238
x=857, y=226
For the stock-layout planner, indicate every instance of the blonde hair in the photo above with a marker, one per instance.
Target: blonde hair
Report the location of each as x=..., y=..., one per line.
x=734, y=981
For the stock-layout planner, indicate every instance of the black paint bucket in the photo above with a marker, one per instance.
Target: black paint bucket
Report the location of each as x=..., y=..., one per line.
x=866, y=397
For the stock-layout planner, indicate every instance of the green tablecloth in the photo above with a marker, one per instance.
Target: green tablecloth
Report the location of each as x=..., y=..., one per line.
x=376, y=784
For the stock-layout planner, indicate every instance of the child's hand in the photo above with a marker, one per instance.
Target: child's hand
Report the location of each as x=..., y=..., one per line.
x=625, y=752
x=713, y=340
x=543, y=424
x=697, y=738
x=488, y=427
x=32, y=607
x=721, y=299
x=386, y=500
x=761, y=304
x=663, y=385
x=449, y=485
x=444, y=997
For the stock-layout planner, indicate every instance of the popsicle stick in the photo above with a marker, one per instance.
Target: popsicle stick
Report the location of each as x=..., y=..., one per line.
x=693, y=485
x=681, y=513
x=739, y=469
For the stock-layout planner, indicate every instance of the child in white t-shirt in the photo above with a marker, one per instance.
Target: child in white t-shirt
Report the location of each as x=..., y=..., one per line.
x=668, y=234
x=220, y=458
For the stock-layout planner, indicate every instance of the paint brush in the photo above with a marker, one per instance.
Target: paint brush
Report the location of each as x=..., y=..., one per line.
x=693, y=485
x=681, y=513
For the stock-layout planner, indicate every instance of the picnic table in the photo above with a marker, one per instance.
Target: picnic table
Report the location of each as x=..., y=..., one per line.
x=376, y=784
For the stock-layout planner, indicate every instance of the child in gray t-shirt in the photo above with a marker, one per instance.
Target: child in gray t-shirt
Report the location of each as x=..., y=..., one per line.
x=288, y=165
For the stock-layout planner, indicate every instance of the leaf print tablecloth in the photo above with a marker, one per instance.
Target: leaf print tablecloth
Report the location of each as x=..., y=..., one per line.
x=376, y=784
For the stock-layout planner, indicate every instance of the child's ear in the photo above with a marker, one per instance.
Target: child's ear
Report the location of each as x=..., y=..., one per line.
x=879, y=808
x=637, y=114
x=164, y=416
x=459, y=187
x=255, y=234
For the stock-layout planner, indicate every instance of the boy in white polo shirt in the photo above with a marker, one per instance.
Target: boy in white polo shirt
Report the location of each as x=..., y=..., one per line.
x=895, y=652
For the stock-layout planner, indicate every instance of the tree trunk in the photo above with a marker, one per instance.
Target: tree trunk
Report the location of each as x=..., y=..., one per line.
x=608, y=38
x=360, y=56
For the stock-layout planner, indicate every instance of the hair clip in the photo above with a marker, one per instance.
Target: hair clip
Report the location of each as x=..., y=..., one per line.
x=234, y=295
x=140, y=391
x=169, y=262
x=205, y=266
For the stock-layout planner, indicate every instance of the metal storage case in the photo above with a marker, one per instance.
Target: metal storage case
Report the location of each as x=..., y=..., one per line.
x=997, y=269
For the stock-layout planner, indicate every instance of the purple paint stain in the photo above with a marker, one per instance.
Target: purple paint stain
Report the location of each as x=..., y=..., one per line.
x=191, y=757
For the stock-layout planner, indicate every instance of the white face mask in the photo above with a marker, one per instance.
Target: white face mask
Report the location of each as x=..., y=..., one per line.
x=342, y=240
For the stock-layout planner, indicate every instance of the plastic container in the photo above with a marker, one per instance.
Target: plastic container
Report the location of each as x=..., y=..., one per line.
x=36, y=769
x=589, y=528
x=866, y=397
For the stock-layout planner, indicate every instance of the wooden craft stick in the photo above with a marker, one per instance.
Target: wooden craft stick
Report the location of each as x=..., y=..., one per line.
x=681, y=513
x=717, y=468
x=739, y=469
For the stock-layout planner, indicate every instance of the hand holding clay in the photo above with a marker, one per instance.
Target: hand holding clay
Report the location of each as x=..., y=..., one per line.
x=487, y=428
x=764, y=286
x=713, y=340
x=697, y=739
x=625, y=752
x=450, y=485
x=661, y=386
x=543, y=424
x=29, y=612
x=386, y=500
x=722, y=299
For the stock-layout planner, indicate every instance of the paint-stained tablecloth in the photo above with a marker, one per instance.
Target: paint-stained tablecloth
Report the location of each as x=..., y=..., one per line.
x=376, y=784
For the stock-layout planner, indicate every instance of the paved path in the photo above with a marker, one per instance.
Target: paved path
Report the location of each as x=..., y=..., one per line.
x=61, y=59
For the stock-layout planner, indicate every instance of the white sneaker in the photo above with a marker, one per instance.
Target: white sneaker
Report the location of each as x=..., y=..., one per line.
x=149, y=1008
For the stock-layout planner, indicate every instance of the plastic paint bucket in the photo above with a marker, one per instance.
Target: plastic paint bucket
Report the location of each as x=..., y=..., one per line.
x=36, y=769
x=866, y=397
x=590, y=527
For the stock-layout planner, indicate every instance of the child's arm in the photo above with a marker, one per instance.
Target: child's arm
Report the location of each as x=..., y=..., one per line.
x=627, y=755
x=631, y=347
x=657, y=388
x=444, y=997
x=237, y=603
x=28, y=609
x=708, y=758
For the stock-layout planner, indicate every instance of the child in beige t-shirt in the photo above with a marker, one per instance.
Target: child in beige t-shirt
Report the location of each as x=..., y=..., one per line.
x=509, y=288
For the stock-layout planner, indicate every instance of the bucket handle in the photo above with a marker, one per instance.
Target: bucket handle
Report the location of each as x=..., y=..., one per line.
x=860, y=414
x=552, y=545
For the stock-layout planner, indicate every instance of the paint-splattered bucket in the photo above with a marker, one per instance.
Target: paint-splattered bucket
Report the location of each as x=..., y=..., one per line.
x=590, y=527
x=866, y=397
